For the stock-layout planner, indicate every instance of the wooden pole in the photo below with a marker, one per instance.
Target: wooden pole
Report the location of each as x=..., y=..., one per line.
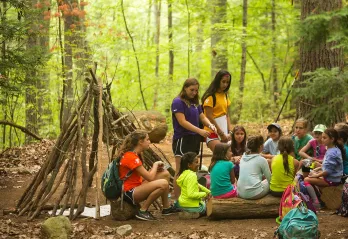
x=100, y=146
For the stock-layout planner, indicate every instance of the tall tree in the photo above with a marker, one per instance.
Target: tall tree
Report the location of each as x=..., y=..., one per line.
x=274, y=58
x=170, y=40
x=218, y=36
x=158, y=6
x=243, y=60
x=318, y=53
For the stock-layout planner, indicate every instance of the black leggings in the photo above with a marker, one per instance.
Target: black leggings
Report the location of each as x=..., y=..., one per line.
x=276, y=194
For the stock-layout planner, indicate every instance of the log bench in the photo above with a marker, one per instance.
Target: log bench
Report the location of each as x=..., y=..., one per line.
x=332, y=196
x=238, y=208
x=127, y=213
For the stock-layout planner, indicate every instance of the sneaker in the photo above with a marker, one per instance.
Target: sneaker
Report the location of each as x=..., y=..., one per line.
x=171, y=210
x=146, y=216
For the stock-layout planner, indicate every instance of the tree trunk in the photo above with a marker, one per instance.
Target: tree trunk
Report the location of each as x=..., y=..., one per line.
x=218, y=36
x=243, y=61
x=158, y=6
x=314, y=55
x=274, y=59
x=45, y=116
x=68, y=92
x=30, y=80
x=238, y=208
x=170, y=40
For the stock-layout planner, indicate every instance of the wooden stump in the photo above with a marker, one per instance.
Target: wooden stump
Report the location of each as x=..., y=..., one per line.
x=127, y=213
x=332, y=196
x=238, y=208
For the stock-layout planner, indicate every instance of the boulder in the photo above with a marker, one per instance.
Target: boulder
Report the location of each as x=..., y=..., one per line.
x=332, y=196
x=151, y=121
x=127, y=213
x=56, y=228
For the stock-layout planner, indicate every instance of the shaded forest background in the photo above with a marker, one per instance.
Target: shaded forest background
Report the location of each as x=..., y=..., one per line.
x=145, y=49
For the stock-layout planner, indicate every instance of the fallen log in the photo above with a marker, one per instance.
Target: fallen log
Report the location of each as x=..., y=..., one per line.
x=332, y=196
x=238, y=208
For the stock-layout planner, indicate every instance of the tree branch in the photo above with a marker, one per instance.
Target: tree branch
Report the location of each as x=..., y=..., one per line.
x=23, y=129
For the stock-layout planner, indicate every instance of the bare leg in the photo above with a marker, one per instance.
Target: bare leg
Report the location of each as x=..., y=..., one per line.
x=150, y=191
x=211, y=145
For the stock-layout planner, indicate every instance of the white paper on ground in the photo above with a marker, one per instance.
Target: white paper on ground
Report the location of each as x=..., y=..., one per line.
x=88, y=211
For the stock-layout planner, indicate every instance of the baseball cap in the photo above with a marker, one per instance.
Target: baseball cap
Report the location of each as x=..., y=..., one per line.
x=277, y=126
x=319, y=128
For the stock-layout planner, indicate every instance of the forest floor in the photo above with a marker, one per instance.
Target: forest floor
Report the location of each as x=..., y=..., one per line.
x=19, y=165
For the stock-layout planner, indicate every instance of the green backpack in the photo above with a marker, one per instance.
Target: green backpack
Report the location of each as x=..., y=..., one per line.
x=111, y=183
x=299, y=223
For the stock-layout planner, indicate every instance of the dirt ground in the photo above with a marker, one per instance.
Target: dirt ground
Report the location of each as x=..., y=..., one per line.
x=13, y=184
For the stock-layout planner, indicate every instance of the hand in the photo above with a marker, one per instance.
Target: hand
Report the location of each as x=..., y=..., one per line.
x=208, y=196
x=313, y=175
x=204, y=133
x=236, y=159
x=159, y=164
x=212, y=127
x=224, y=138
x=229, y=137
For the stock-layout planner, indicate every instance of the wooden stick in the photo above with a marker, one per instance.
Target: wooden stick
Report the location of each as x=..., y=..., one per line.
x=100, y=147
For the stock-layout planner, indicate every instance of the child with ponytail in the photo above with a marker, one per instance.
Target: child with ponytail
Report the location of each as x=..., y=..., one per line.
x=284, y=167
x=332, y=166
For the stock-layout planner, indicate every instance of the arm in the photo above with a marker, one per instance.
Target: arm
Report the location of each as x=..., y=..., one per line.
x=296, y=165
x=193, y=188
x=303, y=151
x=187, y=125
x=206, y=122
x=148, y=175
x=232, y=176
x=318, y=175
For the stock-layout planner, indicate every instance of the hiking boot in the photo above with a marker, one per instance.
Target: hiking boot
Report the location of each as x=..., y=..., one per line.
x=171, y=210
x=146, y=216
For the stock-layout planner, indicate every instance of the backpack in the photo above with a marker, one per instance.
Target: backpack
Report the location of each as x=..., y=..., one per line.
x=111, y=183
x=299, y=223
x=343, y=210
x=289, y=200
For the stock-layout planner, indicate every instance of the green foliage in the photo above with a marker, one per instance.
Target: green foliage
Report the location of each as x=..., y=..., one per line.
x=329, y=90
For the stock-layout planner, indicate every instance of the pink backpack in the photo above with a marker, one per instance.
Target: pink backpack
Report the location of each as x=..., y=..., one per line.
x=289, y=200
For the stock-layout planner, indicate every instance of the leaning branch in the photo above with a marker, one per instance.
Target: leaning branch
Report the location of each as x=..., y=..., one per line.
x=23, y=129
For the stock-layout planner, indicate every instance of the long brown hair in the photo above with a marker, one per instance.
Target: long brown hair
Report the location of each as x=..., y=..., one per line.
x=286, y=147
x=131, y=141
x=333, y=134
x=183, y=96
x=234, y=143
x=219, y=153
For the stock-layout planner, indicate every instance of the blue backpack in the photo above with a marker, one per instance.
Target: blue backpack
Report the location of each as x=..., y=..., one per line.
x=111, y=183
x=299, y=223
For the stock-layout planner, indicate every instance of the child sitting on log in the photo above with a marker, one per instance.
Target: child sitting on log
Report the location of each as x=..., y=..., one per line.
x=332, y=167
x=192, y=193
x=270, y=147
x=238, y=144
x=157, y=178
x=342, y=130
x=301, y=138
x=316, y=146
x=284, y=167
x=253, y=167
x=222, y=173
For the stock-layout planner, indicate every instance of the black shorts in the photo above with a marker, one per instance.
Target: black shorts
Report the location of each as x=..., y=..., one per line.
x=187, y=143
x=305, y=169
x=128, y=196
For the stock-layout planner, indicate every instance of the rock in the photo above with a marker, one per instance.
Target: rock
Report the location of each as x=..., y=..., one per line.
x=56, y=228
x=128, y=211
x=188, y=215
x=151, y=121
x=332, y=196
x=124, y=230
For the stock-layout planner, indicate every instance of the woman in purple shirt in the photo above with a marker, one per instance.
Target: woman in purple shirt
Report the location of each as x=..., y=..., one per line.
x=186, y=114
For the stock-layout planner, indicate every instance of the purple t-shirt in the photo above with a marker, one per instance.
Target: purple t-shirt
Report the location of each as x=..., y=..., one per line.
x=191, y=115
x=322, y=149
